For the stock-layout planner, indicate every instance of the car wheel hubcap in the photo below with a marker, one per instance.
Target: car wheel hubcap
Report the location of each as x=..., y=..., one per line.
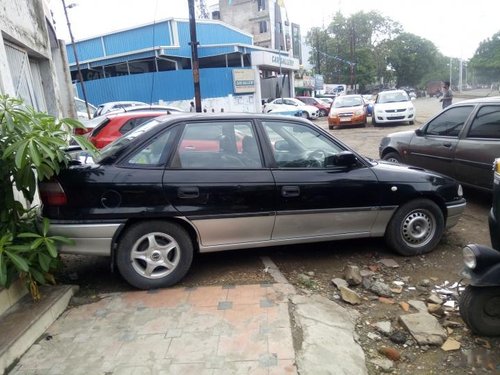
x=418, y=228
x=393, y=160
x=155, y=255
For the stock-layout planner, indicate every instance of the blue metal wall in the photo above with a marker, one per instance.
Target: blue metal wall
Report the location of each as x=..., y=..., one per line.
x=151, y=87
x=156, y=35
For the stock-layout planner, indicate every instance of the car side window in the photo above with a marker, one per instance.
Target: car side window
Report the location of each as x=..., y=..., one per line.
x=132, y=123
x=299, y=146
x=151, y=153
x=486, y=124
x=224, y=145
x=450, y=122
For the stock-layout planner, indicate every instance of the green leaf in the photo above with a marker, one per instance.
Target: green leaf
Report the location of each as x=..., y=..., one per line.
x=3, y=270
x=37, y=243
x=28, y=235
x=45, y=226
x=37, y=275
x=44, y=261
x=52, y=249
x=34, y=153
x=19, y=262
x=20, y=159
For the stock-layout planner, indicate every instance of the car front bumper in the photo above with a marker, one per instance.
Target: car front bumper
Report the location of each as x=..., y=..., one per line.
x=385, y=117
x=454, y=211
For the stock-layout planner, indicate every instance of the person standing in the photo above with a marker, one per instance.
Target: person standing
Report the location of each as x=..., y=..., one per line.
x=447, y=95
x=191, y=107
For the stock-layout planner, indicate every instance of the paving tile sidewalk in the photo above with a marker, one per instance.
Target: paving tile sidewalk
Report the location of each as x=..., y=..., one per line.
x=243, y=329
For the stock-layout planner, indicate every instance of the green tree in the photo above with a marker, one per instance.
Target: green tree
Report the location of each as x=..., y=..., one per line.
x=486, y=61
x=31, y=148
x=411, y=57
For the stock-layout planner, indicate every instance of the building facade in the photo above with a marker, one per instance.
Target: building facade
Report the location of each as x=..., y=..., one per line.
x=33, y=64
x=152, y=63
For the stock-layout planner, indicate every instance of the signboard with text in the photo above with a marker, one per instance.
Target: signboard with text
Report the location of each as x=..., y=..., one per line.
x=243, y=81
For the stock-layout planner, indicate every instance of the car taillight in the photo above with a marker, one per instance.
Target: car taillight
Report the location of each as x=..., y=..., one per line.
x=81, y=131
x=52, y=193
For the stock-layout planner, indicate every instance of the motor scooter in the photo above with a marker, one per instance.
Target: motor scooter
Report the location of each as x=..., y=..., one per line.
x=479, y=303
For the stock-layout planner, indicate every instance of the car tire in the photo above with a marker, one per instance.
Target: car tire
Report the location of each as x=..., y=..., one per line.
x=477, y=304
x=374, y=121
x=415, y=228
x=330, y=127
x=305, y=114
x=393, y=157
x=154, y=254
x=412, y=122
x=322, y=113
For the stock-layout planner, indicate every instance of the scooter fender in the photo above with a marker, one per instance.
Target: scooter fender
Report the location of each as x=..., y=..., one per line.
x=487, y=277
x=487, y=270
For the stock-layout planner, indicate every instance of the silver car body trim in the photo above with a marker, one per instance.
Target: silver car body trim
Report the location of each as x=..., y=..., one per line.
x=233, y=230
x=90, y=239
x=454, y=211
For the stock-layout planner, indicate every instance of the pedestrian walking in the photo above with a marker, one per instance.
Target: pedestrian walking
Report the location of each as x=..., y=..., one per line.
x=191, y=107
x=447, y=95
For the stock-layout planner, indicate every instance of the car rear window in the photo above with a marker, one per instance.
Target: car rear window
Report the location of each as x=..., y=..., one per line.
x=486, y=124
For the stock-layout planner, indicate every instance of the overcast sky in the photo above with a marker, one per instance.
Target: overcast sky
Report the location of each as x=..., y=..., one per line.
x=456, y=27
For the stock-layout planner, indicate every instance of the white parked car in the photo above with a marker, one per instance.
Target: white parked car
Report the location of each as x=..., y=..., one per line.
x=81, y=110
x=291, y=104
x=113, y=106
x=393, y=106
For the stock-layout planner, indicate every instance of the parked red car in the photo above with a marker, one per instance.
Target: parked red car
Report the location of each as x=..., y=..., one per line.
x=113, y=126
x=309, y=100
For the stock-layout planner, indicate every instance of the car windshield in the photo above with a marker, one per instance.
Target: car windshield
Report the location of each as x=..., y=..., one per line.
x=393, y=97
x=123, y=141
x=342, y=102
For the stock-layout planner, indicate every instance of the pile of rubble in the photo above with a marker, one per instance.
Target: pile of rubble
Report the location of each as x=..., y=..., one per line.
x=425, y=315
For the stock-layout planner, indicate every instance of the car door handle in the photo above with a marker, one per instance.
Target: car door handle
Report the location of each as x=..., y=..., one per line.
x=290, y=191
x=188, y=192
x=447, y=144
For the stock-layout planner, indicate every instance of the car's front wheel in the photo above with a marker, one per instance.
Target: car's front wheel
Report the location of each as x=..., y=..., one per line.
x=393, y=157
x=154, y=254
x=415, y=228
x=322, y=113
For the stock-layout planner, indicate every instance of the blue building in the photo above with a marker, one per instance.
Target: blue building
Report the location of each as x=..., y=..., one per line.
x=152, y=63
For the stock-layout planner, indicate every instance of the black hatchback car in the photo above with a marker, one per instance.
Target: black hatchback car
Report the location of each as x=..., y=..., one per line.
x=201, y=183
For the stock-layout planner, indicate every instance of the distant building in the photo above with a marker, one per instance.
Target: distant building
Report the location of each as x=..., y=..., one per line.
x=152, y=63
x=33, y=64
x=266, y=20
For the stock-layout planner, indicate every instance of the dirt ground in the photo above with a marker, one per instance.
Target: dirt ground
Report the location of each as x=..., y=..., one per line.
x=312, y=267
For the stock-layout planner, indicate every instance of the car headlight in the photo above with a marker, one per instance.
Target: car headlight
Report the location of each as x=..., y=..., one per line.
x=496, y=166
x=470, y=259
x=359, y=112
x=460, y=191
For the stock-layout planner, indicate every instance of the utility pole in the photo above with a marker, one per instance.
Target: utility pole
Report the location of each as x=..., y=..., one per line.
x=195, y=64
x=80, y=76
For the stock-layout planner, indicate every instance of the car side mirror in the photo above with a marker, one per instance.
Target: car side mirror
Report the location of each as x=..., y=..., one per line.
x=342, y=159
x=419, y=132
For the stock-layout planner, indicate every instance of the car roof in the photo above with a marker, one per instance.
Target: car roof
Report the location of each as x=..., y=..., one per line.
x=488, y=99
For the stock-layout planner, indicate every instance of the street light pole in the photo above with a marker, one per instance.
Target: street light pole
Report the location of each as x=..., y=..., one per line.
x=80, y=76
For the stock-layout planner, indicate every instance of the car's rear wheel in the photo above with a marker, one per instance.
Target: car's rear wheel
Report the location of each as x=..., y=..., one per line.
x=154, y=254
x=415, y=228
x=393, y=157
x=322, y=113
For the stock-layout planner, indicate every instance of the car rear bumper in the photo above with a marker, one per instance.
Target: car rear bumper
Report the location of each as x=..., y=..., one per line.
x=454, y=211
x=90, y=239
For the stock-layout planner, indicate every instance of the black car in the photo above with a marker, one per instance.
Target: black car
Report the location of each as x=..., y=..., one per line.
x=462, y=141
x=201, y=183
